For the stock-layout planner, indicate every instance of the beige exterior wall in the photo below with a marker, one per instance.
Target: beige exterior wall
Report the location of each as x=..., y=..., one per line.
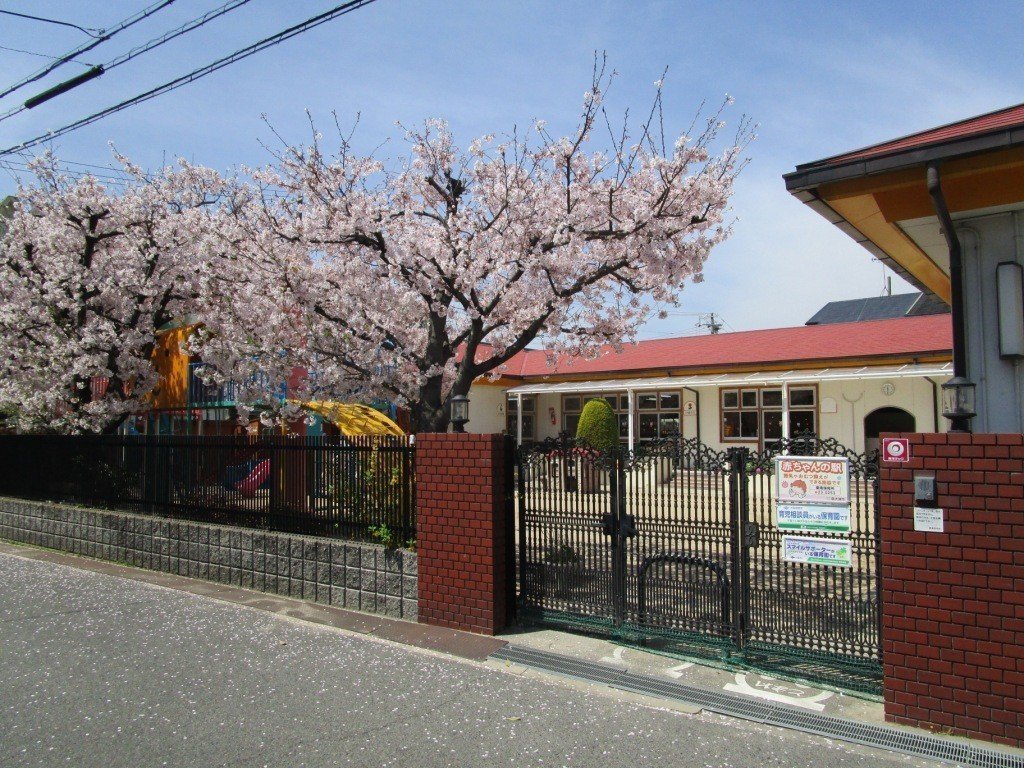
x=486, y=409
x=842, y=407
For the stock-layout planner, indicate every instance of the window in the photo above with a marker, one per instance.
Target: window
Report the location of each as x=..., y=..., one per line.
x=803, y=411
x=756, y=414
x=740, y=414
x=647, y=401
x=658, y=413
x=572, y=406
x=529, y=417
x=801, y=397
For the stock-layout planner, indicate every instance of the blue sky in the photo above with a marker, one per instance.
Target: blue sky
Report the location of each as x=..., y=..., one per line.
x=819, y=78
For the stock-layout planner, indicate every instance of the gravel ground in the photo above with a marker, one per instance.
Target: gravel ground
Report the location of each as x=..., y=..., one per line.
x=97, y=670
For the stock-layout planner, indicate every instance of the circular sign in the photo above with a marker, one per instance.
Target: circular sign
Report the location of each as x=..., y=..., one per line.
x=888, y=389
x=895, y=449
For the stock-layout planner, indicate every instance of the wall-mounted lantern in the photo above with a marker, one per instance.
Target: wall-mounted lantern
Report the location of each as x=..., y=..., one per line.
x=1010, y=307
x=958, y=403
x=460, y=412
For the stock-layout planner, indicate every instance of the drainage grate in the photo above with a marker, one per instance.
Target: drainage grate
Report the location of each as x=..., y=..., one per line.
x=880, y=736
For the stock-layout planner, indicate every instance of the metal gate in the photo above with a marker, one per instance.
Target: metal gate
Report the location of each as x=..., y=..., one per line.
x=677, y=540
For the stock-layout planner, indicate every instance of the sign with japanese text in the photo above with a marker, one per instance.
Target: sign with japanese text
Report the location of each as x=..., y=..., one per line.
x=895, y=449
x=835, y=552
x=929, y=519
x=814, y=517
x=812, y=480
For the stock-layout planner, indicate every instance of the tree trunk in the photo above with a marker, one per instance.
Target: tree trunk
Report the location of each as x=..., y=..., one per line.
x=431, y=413
x=429, y=418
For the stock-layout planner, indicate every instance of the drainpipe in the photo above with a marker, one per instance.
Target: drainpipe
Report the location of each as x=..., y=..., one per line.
x=956, y=287
x=630, y=432
x=935, y=402
x=696, y=402
x=519, y=419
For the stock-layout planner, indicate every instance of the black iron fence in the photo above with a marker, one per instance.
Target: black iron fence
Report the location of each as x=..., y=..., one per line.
x=680, y=542
x=361, y=488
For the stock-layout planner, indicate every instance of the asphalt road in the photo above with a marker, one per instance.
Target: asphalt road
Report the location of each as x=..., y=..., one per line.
x=97, y=670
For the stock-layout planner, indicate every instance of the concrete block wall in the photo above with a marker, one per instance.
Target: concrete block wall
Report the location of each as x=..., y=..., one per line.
x=953, y=602
x=463, y=531
x=359, y=576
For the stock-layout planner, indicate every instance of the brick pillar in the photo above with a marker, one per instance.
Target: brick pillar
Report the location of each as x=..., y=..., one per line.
x=462, y=531
x=953, y=602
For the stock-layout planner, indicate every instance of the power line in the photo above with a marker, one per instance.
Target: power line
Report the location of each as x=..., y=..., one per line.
x=88, y=30
x=196, y=74
x=41, y=55
x=70, y=55
x=148, y=46
x=23, y=168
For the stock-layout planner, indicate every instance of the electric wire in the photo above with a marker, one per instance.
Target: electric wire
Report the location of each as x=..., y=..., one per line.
x=72, y=54
x=87, y=30
x=240, y=54
x=22, y=168
x=154, y=43
x=41, y=55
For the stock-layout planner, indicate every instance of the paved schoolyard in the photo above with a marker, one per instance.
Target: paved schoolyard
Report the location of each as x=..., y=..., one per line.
x=97, y=670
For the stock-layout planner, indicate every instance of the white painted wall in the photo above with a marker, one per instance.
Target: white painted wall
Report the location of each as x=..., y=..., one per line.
x=486, y=409
x=854, y=400
x=987, y=241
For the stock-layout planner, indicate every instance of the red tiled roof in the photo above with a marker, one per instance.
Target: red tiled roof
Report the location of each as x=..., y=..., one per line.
x=973, y=126
x=876, y=338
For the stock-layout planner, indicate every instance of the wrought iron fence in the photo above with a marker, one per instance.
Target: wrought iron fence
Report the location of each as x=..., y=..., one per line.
x=360, y=488
x=680, y=542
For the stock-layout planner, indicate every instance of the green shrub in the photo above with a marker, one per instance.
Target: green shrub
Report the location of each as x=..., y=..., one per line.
x=560, y=554
x=599, y=426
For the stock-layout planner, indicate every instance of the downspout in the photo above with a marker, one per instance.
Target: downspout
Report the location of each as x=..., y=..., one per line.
x=696, y=402
x=956, y=286
x=935, y=402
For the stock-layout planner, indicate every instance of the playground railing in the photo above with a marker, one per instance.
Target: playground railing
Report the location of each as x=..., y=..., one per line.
x=354, y=488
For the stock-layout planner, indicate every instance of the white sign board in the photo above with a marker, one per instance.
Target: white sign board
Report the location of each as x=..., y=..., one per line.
x=927, y=519
x=812, y=479
x=814, y=517
x=798, y=549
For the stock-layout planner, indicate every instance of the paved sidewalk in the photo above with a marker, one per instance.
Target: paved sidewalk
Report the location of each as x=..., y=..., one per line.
x=756, y=685
x=101, y=670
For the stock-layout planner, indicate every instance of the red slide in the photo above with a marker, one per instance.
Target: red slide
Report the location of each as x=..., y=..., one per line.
x=248, y=485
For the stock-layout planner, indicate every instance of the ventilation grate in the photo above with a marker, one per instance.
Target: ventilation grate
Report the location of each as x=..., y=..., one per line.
x=884, y=737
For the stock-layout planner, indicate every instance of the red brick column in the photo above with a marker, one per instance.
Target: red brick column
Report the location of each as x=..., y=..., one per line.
x=953, y=602
x=462, y=531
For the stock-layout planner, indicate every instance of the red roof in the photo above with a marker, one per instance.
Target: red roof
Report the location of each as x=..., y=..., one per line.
x=804, y=343
x=973, y=126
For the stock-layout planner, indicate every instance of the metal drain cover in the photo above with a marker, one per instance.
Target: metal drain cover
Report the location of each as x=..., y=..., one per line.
x=880, y=736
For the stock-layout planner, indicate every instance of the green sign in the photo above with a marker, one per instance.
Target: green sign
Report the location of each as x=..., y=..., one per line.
x=811, y=517
x=800, y=549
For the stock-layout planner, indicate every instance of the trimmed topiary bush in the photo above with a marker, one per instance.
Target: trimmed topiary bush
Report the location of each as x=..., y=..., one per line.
x=599, y=426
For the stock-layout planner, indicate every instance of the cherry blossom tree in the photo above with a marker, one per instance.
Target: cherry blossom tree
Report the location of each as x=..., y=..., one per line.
x=412, y=280
x=87, y=276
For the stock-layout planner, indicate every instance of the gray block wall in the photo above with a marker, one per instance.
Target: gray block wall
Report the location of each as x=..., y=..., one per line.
x=365, y=577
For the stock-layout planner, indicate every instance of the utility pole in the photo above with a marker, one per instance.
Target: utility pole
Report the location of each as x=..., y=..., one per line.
x=708, y=321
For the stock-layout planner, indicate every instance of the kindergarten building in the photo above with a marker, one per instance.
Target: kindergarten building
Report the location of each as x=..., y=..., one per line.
x=840, y=376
